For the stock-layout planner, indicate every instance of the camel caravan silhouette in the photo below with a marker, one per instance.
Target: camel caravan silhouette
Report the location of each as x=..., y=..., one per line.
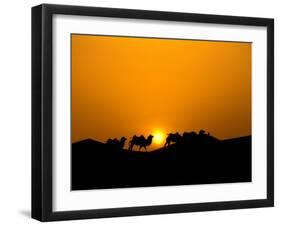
x=182, y=158
x=190, y=138
x=172, y=138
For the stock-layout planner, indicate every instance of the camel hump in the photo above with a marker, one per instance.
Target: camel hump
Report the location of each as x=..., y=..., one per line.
x=123, y=139
x=201, y=132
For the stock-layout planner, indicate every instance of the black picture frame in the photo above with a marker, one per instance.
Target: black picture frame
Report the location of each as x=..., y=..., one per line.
x=42, y=197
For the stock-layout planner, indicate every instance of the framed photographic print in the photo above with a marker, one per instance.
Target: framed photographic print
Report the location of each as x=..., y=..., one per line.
x=145, y=112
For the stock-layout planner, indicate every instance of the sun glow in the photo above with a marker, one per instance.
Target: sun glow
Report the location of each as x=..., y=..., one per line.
x=158, y=137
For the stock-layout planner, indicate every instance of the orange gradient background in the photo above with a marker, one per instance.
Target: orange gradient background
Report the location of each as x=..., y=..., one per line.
x=123, y=86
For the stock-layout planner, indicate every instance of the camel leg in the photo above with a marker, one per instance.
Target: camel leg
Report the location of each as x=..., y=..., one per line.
x=145, y=148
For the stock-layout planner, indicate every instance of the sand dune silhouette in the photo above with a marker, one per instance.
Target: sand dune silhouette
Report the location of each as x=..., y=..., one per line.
x=98, y=165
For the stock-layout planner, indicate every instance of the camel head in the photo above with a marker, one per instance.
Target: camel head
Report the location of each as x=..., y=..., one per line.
x=149, y=139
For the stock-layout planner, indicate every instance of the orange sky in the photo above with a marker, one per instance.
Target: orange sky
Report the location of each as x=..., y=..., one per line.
x=123, y=86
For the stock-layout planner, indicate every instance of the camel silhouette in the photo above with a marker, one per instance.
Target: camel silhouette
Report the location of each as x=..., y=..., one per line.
x=140, y=141
x=172, y=138
x=189, y=136
x=117, y=143
x=199, y=138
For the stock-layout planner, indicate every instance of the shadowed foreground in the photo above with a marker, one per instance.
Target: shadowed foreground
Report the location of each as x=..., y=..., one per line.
x=96, y=165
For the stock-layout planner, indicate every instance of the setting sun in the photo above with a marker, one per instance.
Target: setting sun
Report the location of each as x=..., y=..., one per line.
x=159, y=137
x=126, y=86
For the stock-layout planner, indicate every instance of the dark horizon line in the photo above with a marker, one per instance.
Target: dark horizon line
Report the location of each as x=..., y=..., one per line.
x=228, y=139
